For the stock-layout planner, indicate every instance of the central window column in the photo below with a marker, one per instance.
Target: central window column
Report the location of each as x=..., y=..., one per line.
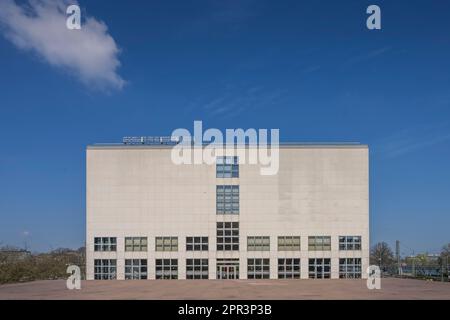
x=227, y=219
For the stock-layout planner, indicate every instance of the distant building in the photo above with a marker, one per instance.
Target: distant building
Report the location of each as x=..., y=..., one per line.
x=148, y=218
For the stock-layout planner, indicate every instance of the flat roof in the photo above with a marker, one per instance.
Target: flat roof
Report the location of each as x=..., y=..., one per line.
x=283, y=145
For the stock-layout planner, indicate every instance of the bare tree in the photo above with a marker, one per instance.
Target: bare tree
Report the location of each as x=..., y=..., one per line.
x=382, y=256
x=445, y=250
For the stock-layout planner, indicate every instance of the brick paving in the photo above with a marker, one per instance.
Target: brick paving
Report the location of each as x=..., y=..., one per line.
x=228, y=289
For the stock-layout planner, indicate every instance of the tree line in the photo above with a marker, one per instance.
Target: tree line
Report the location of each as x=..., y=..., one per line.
x=421, y=264
x=17, y=265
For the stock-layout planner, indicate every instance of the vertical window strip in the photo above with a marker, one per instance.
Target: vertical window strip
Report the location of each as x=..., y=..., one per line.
x=227, y=167
x=227, y=236
x=227, y=199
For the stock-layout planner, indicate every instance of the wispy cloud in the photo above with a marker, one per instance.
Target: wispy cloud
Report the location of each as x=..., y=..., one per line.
x=366, y=56
x=412, y=140
x=232, y=11
x=236, y=100
x=39, y=26
x=311, y=69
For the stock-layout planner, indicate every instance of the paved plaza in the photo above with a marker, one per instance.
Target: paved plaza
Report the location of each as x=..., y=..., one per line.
x=228, y=289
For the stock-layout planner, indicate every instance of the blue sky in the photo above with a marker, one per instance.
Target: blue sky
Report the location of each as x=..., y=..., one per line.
x=310, y=68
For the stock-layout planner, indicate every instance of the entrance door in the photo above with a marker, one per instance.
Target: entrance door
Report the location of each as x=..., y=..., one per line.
x=227, y=273
x=231, y=272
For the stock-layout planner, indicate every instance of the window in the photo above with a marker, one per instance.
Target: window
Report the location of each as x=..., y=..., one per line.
x=227, y=167
x=289, y=243
x=227, y=236
x=258, y=268
x=136, y=244
x=320, y=243
x=319, y=268
x=135, y=269
x=105, y=244
x=258, y=243
x=289, y=268
x=227, y=199
x=349, y=243
x=350, y=268
x=196, y=268
x=166, y=269
x=166, y=244
x=104, y=269
x=196, y=243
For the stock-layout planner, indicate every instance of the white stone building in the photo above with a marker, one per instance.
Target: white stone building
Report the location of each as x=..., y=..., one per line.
x=148, y=218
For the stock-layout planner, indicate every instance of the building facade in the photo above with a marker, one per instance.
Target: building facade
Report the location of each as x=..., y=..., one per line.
x=148, y=218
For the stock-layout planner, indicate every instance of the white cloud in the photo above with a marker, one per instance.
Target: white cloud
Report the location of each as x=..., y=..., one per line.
x=40, y=26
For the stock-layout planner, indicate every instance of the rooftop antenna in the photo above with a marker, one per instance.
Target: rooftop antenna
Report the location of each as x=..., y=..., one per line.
x=151, y=140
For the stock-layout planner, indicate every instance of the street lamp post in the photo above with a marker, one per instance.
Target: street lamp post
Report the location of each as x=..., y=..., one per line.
x=448, y=273
x=381, y=267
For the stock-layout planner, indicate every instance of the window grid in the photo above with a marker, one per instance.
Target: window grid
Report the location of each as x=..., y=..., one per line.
x=135, y=269
x=227, y=199
x=319, y=243
x=319, y=268
x=196, y=243
x=196, y=268
x=350, y=268
x=350, y=243
x=105, y=244
x=136, y=244
x=258, y=268
x=105, y=269
x=258, y=243
x=289, y=268
x=227, y=167
x=227, y=236
x=166, y=269
x=166, y=244
x=289, y=243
